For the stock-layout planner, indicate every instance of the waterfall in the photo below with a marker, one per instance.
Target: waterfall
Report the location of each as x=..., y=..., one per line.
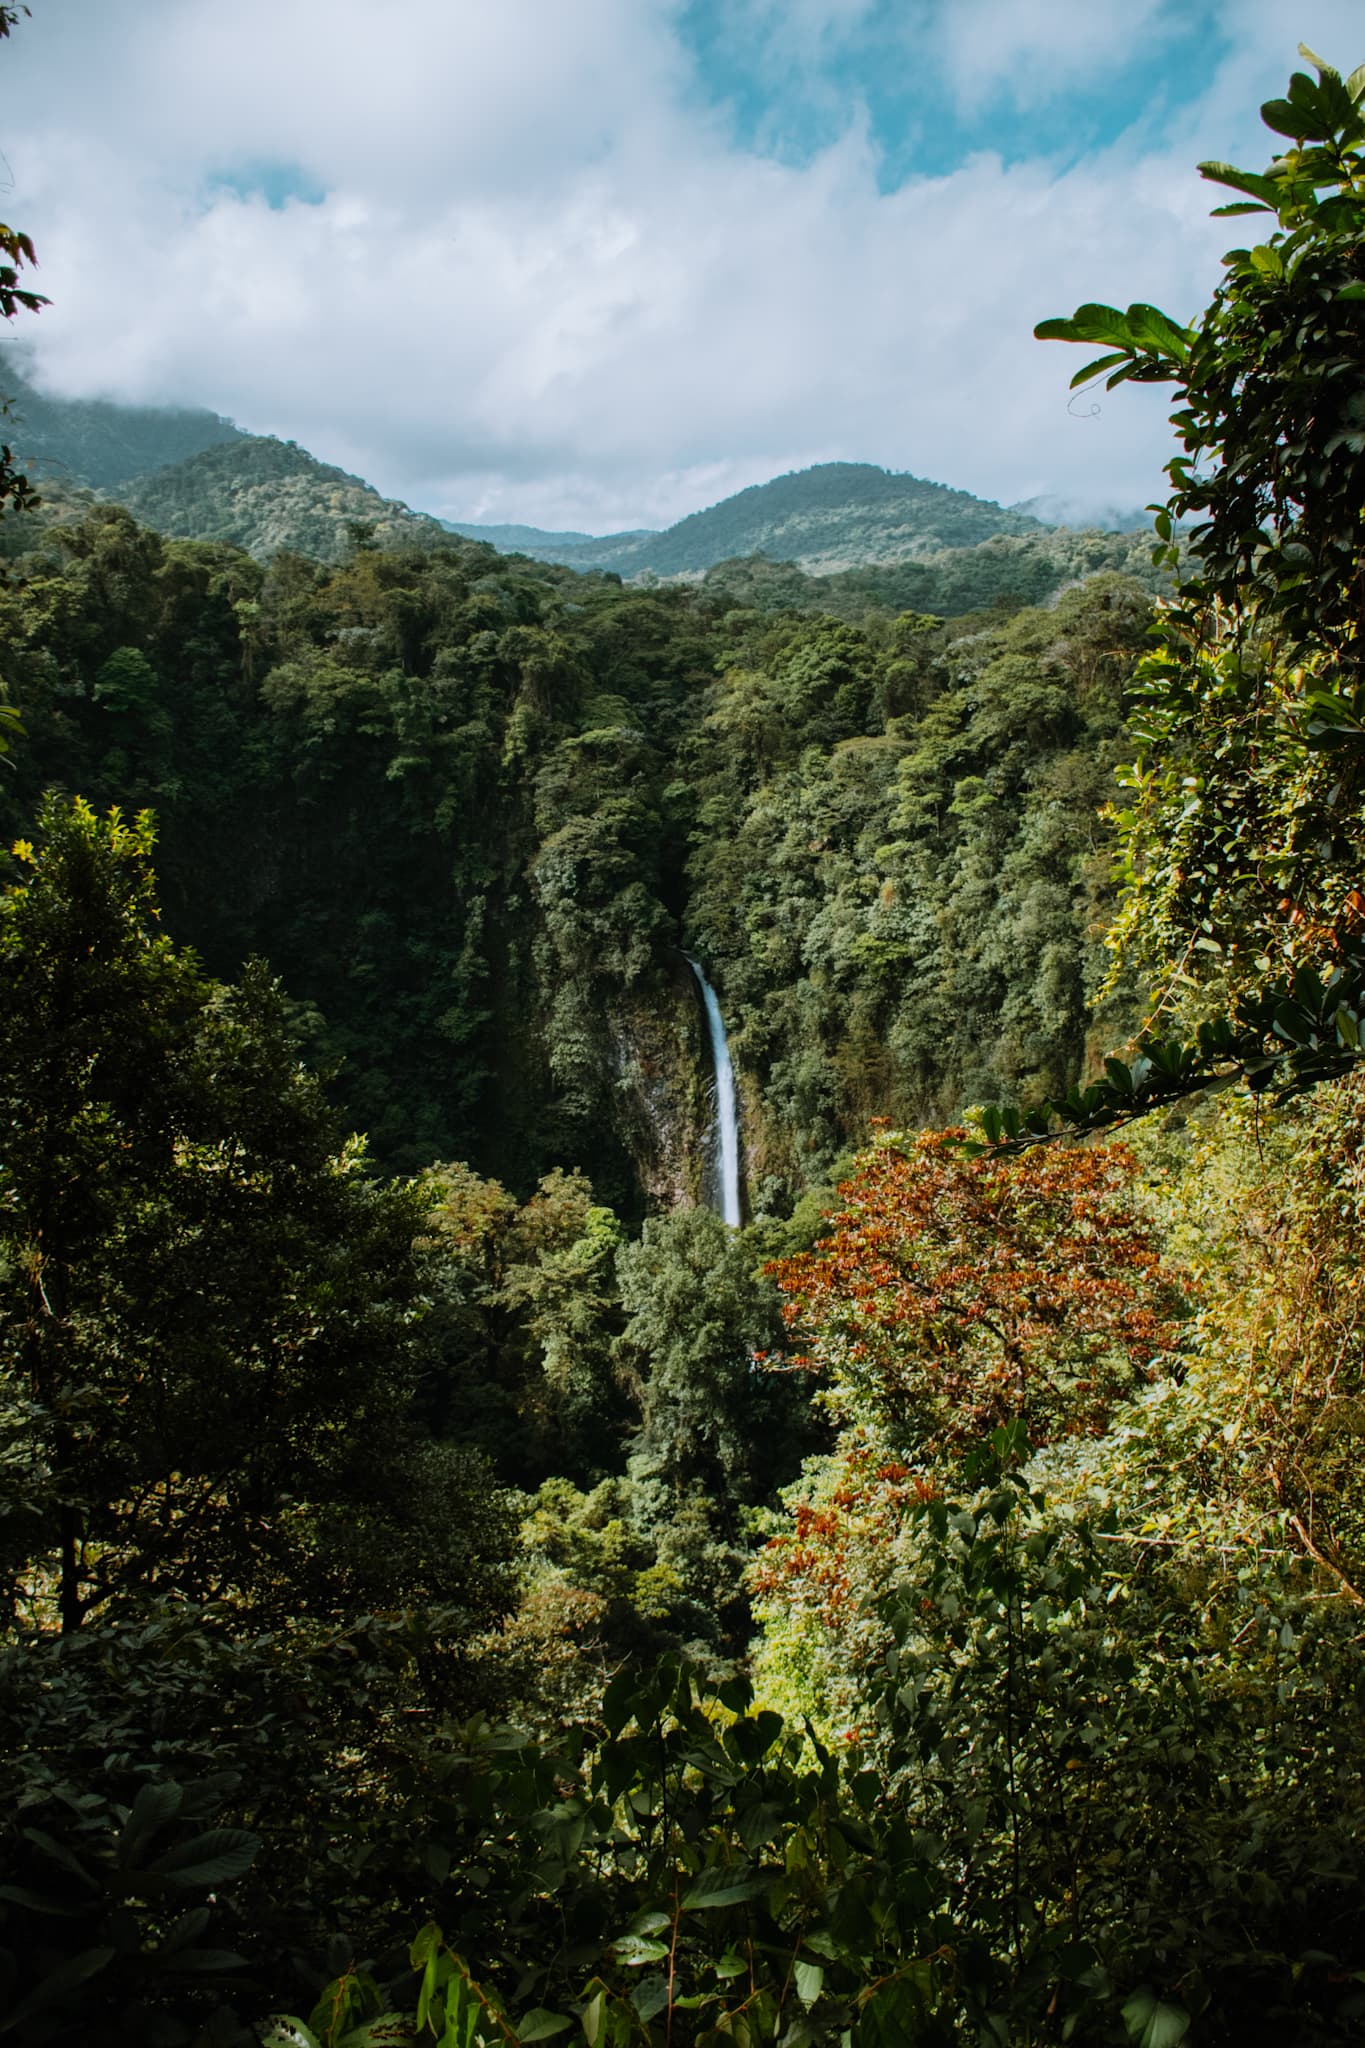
x=727, y=1116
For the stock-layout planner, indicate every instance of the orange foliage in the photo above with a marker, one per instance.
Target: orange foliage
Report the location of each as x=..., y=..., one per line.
x=821, y=1551
x=954, y=1294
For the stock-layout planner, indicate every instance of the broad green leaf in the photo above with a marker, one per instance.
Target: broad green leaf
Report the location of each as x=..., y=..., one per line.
x=1151, y=2023
x=1286, y=119
x=540, y=2025
x=215, y=1857
x=187, y=1928
x=57, y=1986
x=810, y=1979
x=649, y=1996
x=633, y=1950
x=153, y=1807
x=36, y=1902
x=621, y=1702
x=1264, y=189
x=1098, y=367
x=590, y=2019
x=721, y=1888
x=1088, y=323
x=1150, y=326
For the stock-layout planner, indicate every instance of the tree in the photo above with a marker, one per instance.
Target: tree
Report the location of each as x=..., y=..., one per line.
x=697, y=1313
x=209, y=1309
x=1242, y=839
x=951, y=1296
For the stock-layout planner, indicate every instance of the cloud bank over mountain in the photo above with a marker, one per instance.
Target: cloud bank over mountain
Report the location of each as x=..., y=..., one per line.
x=597, y=265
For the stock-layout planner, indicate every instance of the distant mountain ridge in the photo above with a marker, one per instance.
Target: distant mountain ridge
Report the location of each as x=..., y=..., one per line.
x=96, y=442
x=833, y=516
x=265, y=495
x=195, y=475
x=537, y=542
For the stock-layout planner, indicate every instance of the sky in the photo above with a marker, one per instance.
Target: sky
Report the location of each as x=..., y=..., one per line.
x=595, y=264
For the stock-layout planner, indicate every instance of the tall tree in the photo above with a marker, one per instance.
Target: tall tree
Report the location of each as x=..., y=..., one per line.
x=207, y=1308
x=1243, y=834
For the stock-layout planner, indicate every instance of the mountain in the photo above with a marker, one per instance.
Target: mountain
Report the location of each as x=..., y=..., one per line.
x=196, y=476
x=534, y=540
x=573, y=550
x=837, y=515
x=266, y=495
x=831, y=517
x=93, y=441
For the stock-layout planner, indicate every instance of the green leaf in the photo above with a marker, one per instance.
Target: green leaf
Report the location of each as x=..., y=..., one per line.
x=59, y=1854
x=721, y=1888
x=633, y=1950
x=1151, y=2023
x=539, y=2025
x=284, y=2031
x=153, y=1807
x=1089, y=323
x=1150, y=326
x=1098, y=367
x=1285, y=118
x=620, y=1701
x=215, y=1857
x=1263, y=189
x=36, y=1902
x=649, y=1996
x=810, y=1979
x=58, y=1985
x=590, y=2019
x=186, y=1929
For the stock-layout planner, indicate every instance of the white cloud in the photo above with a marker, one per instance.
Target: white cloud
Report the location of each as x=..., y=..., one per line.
x=544, y=285
x=1031, y=52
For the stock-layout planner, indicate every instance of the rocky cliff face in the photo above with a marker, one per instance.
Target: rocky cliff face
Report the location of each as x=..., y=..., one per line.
x=662, y=1088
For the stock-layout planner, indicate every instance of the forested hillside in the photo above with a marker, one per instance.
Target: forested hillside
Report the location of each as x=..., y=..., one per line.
x=264, y=495
x=95, y=442
x=469, y=809
x=456, y=1588
x=833, y=516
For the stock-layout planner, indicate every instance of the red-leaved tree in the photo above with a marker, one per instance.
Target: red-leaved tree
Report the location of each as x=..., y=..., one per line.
x=954, y=1294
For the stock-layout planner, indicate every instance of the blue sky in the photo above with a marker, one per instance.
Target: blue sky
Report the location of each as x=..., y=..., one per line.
x=788, y=93
x=597, y=263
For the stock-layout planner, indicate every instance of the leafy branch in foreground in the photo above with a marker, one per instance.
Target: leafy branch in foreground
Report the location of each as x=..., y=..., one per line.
x=1282, y=1039
x=1242, y=843
x=15, y=489
x=1271, y=415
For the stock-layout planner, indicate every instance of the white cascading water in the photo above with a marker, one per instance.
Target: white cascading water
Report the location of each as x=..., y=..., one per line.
x=727, y=1113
